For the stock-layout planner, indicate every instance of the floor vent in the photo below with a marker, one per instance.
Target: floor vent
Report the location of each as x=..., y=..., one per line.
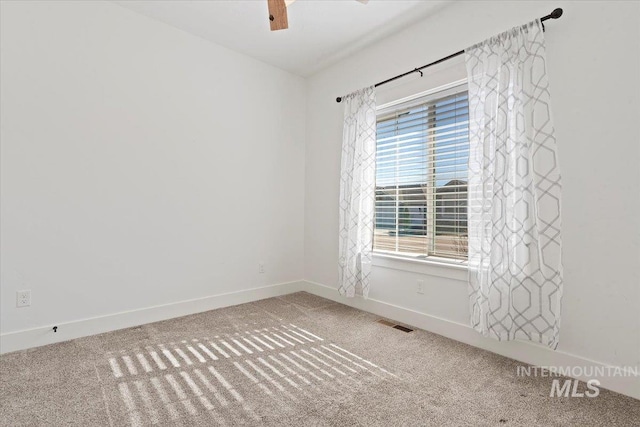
x=386, y=323
x=395, y=326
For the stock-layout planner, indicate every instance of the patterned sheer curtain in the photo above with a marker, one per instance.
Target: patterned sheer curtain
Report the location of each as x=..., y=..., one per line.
x=357, y=191
x=515, y=269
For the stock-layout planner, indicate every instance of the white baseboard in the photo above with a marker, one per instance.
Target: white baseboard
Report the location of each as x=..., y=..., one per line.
x=525, y=352
x=529, y=353
x=44, y=335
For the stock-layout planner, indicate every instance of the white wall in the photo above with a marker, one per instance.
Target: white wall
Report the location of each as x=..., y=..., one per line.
x=140, y=166
x=143, y=166
x=594, y=62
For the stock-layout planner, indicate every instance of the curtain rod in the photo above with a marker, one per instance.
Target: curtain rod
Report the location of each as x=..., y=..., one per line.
x=557, y=13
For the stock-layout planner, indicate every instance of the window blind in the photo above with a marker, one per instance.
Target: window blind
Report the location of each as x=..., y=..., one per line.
x=421, y=176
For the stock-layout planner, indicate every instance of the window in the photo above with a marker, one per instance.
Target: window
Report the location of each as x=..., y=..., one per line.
x=421, y=176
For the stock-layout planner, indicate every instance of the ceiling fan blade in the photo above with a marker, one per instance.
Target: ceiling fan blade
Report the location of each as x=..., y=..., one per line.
x=278, y=15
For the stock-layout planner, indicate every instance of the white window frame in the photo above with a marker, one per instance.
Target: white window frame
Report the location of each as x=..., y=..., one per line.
x=423, y=264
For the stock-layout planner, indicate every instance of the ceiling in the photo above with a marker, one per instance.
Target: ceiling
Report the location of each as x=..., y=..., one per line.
x=320, y=32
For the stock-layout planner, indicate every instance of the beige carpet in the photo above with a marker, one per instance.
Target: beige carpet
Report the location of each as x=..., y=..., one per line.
x=297, y=360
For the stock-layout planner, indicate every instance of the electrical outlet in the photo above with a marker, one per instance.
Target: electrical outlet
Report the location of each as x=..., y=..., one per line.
x=420, y=287
x=23, y=298
x=261, y=267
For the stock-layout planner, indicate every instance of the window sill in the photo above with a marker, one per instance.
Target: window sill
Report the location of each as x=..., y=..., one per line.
x=456, y=270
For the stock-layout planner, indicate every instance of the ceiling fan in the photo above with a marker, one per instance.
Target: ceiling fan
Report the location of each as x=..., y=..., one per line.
x=278, y=13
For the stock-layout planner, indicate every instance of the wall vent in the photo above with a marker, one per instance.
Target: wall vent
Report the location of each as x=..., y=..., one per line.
x=394, y=325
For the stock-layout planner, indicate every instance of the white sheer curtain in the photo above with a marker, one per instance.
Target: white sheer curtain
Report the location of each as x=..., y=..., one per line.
x=357, y=191
x=515, y=269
